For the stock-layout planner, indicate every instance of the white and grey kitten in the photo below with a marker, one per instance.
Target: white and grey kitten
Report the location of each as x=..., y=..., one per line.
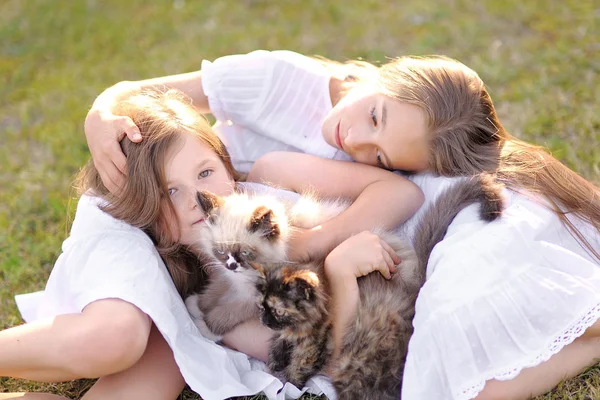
x=239, y=229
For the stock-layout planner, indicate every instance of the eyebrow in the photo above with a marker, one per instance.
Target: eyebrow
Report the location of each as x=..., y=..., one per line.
x=383, y=115
x=198, y=166
x=385, y=158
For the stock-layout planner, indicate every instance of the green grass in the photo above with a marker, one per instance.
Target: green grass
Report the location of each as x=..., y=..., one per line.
x=539, y=59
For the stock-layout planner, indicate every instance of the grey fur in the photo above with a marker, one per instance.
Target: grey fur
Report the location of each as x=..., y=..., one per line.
x=375, y=345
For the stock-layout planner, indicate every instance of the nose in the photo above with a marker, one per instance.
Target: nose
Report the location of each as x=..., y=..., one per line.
x=357, y=138
x=359, y=144
x=193, y=199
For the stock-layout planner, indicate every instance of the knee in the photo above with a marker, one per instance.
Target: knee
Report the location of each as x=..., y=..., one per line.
x=108, y=345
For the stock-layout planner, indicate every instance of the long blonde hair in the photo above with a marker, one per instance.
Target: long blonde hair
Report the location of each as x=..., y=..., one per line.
x=466, y=137
x=162, y=117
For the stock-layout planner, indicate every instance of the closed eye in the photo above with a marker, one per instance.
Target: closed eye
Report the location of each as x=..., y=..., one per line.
x=379, y=161
x=373, y=116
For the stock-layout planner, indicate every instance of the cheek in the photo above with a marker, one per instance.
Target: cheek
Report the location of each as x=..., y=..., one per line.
x=221, y=184
x=169, y=226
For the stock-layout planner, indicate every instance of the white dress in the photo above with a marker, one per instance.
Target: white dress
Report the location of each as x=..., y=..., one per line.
x=106, y=258
x=499, y=297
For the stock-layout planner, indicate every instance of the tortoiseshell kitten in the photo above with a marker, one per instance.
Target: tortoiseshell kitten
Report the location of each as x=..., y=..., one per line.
x=295, y=303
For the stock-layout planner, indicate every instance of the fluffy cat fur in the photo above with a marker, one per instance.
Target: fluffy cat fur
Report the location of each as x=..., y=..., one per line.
x=295, y=303
x=239, y=229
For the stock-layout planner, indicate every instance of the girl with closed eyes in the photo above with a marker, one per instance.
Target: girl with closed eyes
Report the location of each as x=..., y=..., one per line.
x=509, y=309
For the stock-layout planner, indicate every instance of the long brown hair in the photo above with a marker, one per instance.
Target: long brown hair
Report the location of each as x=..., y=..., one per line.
x=162, y=117
x=466, y=138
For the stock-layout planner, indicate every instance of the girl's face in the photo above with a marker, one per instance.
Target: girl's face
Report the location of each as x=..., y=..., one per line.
x=192, y=166
x=377, y=130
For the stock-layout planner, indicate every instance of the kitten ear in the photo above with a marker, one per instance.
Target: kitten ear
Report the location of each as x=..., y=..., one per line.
x=263, y=221
x=207, y=201
x=304, y=283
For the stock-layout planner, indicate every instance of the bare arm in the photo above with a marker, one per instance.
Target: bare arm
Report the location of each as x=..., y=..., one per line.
x=189, y=83
x=357, y=256
x=380, y=198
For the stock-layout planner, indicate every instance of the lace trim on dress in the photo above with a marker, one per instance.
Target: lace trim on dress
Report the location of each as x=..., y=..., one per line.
x=567, y=337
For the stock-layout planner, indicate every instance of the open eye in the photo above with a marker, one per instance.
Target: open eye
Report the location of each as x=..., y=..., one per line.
x=171, y=191
x=205, y=174
x=221, y=252
x=279, y=312
x=245, y=253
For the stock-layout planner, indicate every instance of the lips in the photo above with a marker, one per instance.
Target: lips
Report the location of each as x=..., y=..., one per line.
x=199, y=221
x=338, y=139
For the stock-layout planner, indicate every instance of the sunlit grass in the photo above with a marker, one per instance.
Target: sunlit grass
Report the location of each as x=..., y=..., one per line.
x=539, y=59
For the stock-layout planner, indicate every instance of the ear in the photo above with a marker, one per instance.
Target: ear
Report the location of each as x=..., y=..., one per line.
x=208, y=201
x=304, y=283
x=263, y=221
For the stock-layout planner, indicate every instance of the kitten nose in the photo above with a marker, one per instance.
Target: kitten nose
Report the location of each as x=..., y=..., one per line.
x=232, y=267
x=231, y=263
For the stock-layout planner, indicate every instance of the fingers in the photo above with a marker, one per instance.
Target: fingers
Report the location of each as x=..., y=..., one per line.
x=392, y=253
x=112, y=178
x=130, y=129
x=387, y=266
x=117, y=158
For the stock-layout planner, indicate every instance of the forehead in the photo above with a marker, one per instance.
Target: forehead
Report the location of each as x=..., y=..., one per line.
x=186, y=152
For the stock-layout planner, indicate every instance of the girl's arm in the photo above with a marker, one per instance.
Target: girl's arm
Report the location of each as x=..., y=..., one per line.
x=380, y=198
x=355, y=257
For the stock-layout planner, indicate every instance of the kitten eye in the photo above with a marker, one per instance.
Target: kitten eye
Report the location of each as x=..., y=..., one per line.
x=373, y=116
x=279, y=312
x=245, y=253
x=205, y=174
x=221, y=252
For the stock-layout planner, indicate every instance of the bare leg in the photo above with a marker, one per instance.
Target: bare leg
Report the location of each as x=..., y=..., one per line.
x=30, y=396
x=567, y=363
x=154, y=376
x=73, y=346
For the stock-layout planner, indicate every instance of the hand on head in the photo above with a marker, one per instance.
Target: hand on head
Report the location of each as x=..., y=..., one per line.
x=104, y=131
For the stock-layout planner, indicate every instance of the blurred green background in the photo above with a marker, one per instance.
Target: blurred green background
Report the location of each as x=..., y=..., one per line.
x=540, y=60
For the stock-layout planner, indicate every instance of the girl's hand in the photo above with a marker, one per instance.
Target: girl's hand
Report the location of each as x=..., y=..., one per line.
x=104, y=131
x=360, y=255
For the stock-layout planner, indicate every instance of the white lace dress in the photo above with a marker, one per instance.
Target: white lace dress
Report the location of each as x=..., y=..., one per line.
x=499, y=297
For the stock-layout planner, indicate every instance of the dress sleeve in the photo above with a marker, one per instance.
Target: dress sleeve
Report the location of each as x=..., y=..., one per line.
x=260, y=88
x=122, y=266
